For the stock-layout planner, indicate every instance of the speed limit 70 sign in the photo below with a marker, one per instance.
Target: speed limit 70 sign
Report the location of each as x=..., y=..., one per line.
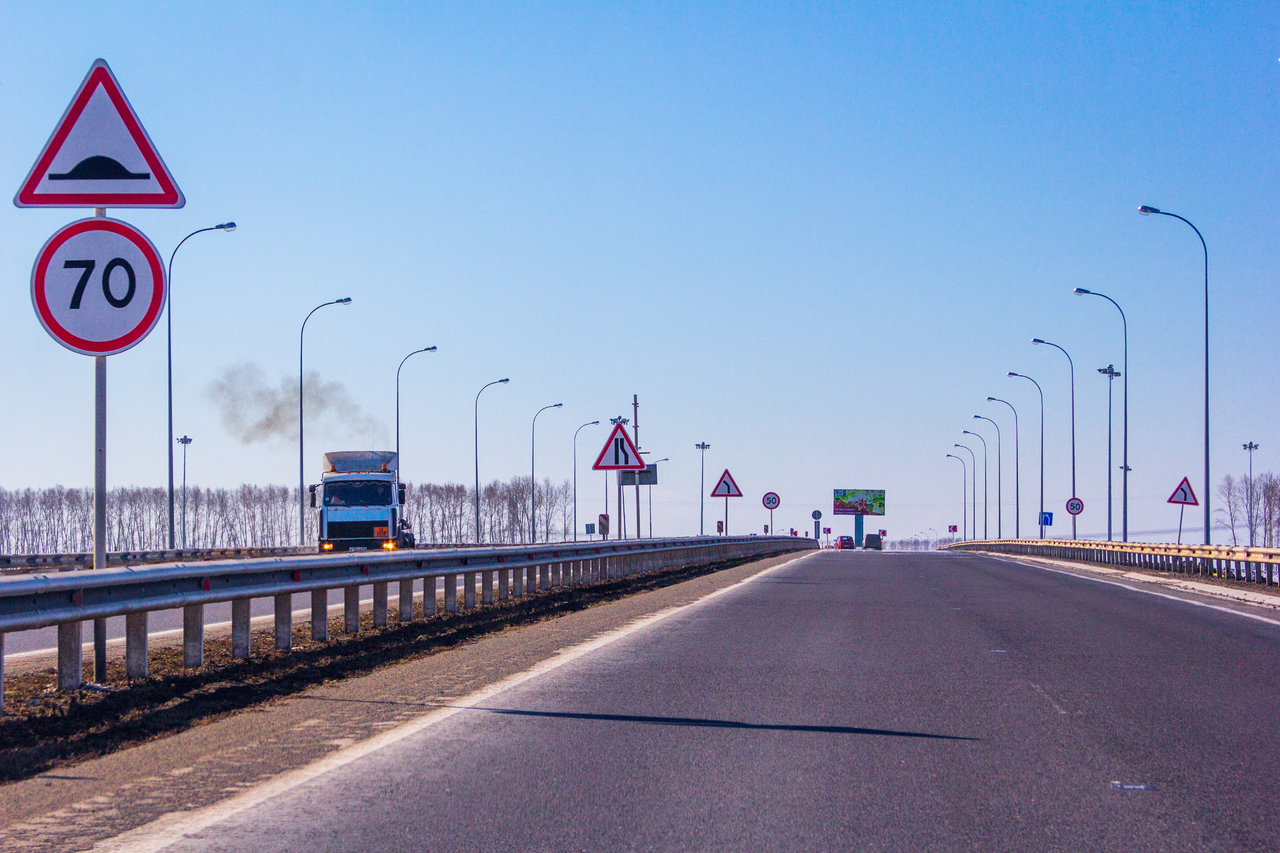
x=98, y=286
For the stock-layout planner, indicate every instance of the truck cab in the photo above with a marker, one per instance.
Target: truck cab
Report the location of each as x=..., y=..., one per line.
x=361, y=502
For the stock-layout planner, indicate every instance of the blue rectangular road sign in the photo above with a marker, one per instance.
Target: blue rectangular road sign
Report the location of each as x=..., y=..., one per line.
x=1046, y=518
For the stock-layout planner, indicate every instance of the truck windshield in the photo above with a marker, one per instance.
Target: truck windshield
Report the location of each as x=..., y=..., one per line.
x=358, y=493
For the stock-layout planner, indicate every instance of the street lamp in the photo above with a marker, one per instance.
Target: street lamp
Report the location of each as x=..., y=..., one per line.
x=1017, y=474
x=1038, y=388
x=168, y=312
x=1040, y=342
x=1250, y=447
x=999, y=477
x=1146, y=210
x=575, y=476
x=533, y=482
x=1111, y=373
x=702, y=501
x=1124, y=441
x=302, y=488
x=184, y=441
x=477, y=426
x=964, y=508
x=985, y=481
x=651, y=495
x=974, y=481
x=402, y=361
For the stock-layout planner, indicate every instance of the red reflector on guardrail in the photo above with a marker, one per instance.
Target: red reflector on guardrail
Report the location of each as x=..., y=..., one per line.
x=204, y=584
x=77, y=598
x=364, y=570
x=297, y=576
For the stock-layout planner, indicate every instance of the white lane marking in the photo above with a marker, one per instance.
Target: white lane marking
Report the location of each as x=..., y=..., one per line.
x=1049, y=699
x=178, y=826
x=1218, y=607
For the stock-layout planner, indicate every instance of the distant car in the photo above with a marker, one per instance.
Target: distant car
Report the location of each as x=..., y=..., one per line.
x=845, y=543
x=872, y=541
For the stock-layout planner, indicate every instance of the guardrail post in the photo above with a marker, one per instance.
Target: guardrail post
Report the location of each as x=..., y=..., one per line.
x=319, y=614
x=1, y=673
x=135, y=645
x=380, y=604
x=284, y=621
x=450, y=593
x=239, y=628
x=530, y=579
x=504, y=590
x=193, y=635
x=404, y=600
x=544, y=576
x=468, y=590
x=70, y=656
x=486, y=584
x=351, y=609
x=517, y=583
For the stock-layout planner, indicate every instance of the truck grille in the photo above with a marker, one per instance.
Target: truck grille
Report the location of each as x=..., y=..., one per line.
x=356, y=529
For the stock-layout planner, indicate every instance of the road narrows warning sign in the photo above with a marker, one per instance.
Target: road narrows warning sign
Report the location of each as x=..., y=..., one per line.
x=726, y=487
x=619, y=453
x=99, y=155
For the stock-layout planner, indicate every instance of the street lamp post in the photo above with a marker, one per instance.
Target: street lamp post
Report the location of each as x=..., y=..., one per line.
x=1038, y=388
x=1250, y=447
x=480, y=538
x=575, y=476
x=974, y=481
x=1072, y=364
x=184, y=441
x=702, y=500
x=1017, y=474
x=985, y=481
x=402, y=361
x=1124, y=440
x=302, y=487
x=1111, y=373
x=533, y=481
x=999, y=477
x=964, y=509
x=168, y=312
x=1146, y=210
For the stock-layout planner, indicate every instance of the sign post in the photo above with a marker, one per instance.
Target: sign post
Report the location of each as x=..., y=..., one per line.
x=726, y=488
x=817, y=523
x=1185, y=497
x=771, y=502
x=618, y=454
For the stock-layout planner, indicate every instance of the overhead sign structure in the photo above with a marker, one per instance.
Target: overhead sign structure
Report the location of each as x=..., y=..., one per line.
x=1184, y=495
x=771, y=501
x=99, y=155
x=1075, y=506
x=619, y=453
x=98, y=286
x=726, y=487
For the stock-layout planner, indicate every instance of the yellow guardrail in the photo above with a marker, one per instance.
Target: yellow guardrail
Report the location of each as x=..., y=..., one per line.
x=1254, y=565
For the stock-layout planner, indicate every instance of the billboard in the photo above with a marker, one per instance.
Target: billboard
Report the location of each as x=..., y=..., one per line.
x=859, y=502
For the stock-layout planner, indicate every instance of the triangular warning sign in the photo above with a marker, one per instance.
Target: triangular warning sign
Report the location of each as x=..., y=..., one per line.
x=99, y=155
x=619, y=453
x=726, y=488
x=1183, y=494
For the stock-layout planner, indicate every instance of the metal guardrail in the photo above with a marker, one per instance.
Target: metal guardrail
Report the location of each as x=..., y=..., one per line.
x=13, y=564
x=1251, y=565
x=69, y=598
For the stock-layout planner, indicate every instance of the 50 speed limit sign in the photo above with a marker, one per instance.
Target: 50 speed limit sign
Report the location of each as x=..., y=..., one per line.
x=98, y=286
x=771, y=500
x=1075, y=506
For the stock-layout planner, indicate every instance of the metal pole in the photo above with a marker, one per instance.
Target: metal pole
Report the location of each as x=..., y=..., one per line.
x=999, y=478
x=480, y=538
x=302, y=487
x=402, y=361
x=1208, y=518
x=985, y=481
x=575, y=478
x=1251, y=446
x=99, y=512
x=1072, y=365
x=964, y=484
x=184, y=441
x=635, y=428
x=1017, y=472
x=974, y=481
x=1111, y=373
x=1124, y=451
x=1041, y=391
x=702, y=492
x=533, y=482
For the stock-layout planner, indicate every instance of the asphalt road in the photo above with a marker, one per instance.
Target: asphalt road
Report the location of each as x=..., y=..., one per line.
x=845, y=701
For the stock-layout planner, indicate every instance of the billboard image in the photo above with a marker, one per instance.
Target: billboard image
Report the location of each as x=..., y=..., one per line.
x=859, y=502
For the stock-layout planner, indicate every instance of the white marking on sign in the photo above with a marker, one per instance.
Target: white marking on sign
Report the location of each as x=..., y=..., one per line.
x=619, y=453
x=1184, y=495
x=726, y=487
x=99, y=155
x=98, y=286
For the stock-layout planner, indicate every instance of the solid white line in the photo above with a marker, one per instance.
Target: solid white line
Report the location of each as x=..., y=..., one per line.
x=177, y=826
x=1218, y=607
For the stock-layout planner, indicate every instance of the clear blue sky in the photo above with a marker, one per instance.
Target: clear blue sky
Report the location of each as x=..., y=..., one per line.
x=815, y=236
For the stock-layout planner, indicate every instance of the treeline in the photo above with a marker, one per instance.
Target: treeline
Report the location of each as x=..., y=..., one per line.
x=59, y=520
x=1233, y=509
